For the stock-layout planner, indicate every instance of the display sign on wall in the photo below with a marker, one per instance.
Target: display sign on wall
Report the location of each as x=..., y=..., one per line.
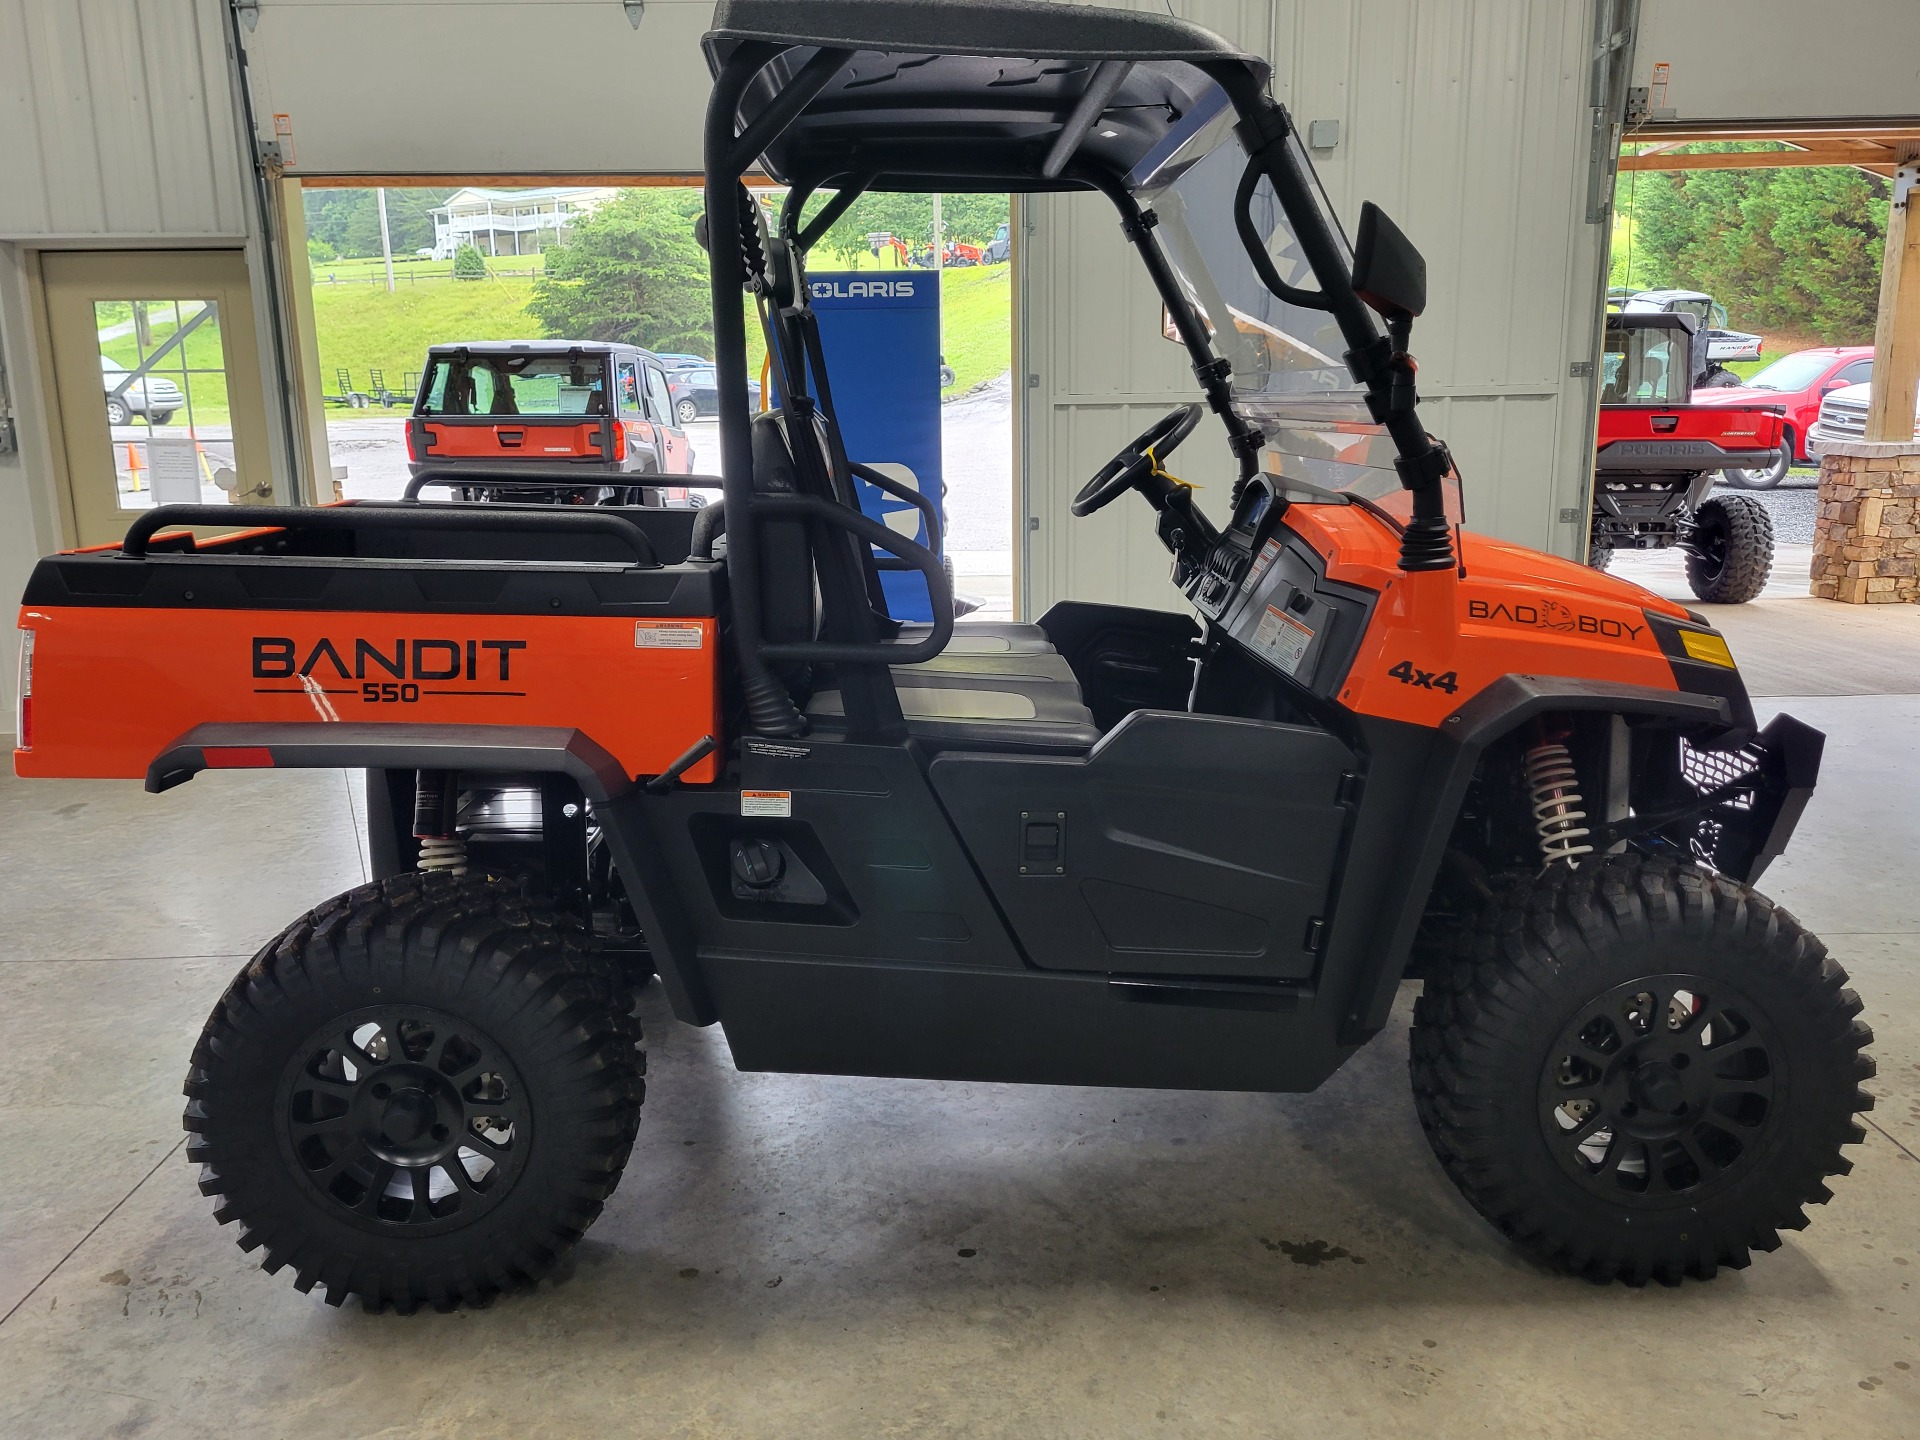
x=881, y=334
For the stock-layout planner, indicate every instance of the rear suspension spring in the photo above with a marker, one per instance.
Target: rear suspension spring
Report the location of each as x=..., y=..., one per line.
x=1553, y=786
x=435, y=808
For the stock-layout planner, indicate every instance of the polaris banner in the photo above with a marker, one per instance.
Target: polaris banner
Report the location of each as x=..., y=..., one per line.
x=881, y=333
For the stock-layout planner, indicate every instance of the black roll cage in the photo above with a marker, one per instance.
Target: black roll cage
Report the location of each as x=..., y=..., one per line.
x=1378, y=361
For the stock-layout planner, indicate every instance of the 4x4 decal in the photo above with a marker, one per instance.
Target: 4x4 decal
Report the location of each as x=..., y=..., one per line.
x=1407, y=673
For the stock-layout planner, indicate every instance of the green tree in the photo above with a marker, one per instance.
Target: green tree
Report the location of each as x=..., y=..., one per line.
x=469, y=263
x=349, y=219
x=631, y=272
x=319, y=252
x=972, y=218
x=1794, y=250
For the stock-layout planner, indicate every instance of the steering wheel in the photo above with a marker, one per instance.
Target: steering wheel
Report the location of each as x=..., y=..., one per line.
x=1148, y=450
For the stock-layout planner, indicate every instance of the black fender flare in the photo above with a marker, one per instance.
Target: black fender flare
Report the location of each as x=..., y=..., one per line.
x=377, y=745
x=1462, y=738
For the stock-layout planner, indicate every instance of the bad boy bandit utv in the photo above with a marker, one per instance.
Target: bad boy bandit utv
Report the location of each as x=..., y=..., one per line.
x=1116, y=847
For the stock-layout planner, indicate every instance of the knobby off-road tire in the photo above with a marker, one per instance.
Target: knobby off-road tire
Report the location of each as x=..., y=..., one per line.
x=421, y=1092
x=1545, y=1073
x=1599, y=556
x=1730, y=553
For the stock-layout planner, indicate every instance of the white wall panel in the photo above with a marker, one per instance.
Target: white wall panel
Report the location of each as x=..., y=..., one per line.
x=1782, y=59
x=116, y=121
x=1467, y=120
x=482, y=87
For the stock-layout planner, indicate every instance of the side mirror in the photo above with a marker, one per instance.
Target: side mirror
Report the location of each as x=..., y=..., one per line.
x=1389, y=274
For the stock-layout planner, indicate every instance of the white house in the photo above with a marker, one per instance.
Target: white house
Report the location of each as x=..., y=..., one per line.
x=511, y=222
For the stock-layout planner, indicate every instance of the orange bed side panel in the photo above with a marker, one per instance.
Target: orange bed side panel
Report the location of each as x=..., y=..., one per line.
x=113, y=686
x=1436, y=640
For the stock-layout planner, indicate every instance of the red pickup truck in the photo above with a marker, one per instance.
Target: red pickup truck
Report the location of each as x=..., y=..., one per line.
x=1658, y=455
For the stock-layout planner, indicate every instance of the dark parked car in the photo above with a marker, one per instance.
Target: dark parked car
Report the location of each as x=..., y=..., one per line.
x=695, y=394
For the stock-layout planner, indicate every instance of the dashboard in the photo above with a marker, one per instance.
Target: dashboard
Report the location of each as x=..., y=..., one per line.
x=1266, y=590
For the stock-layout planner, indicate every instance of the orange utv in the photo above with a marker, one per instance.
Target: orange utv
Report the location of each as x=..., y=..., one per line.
x=1114, y=847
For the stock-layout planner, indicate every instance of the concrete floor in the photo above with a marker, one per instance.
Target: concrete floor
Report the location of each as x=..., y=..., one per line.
x=800, y=1257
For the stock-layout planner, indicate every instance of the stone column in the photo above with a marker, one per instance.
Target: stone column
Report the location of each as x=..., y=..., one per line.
x=1866, y=532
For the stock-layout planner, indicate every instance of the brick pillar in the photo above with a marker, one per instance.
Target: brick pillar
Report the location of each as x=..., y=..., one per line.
x=1866, y=533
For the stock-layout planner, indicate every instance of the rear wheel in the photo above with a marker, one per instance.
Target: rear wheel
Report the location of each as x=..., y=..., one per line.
x=688, y=412
x=1772, y=476
x=117, y=412
x=1599, y=556
x=1730, y=549
x=420, y=1092
x=1640, y=1070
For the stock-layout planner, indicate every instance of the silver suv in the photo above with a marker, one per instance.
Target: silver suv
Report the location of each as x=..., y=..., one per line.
x=1843, y=417
x=153, y=396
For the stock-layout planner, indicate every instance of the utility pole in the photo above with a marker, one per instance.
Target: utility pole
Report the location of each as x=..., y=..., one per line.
x=386, y=242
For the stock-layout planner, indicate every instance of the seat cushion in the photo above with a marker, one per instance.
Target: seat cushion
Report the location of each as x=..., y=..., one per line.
x=1025, y=703
x=986, y=637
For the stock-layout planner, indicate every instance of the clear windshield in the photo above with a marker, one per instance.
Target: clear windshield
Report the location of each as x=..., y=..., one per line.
x=1644, y=366
x=1288, y=375
x=1277, y=350
x=1791, y=372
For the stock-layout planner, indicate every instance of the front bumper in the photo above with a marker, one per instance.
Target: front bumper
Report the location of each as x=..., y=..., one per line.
x=1762, y=790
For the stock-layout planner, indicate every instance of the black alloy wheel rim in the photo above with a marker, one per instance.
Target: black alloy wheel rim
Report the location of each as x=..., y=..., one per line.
x=1710, y=544
x=1661, y=1091
x=405, y=1119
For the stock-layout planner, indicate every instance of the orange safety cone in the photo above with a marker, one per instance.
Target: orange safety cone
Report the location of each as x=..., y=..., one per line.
x=135, y=465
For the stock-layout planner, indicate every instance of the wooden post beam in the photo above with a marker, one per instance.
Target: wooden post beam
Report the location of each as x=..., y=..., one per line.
x=1896, y=334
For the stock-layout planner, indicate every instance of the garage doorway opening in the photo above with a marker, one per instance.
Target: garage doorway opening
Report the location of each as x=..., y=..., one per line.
x=397, y=268
x=1786, y=242
x=1774, y=243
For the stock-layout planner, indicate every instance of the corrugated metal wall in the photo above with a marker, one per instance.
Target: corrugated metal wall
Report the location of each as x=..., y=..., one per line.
x=116, y=120
x=1467, y=120
x=481, y=87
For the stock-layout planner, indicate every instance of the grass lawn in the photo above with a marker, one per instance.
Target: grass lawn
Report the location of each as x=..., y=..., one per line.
x=362, y=327
x=976, y=323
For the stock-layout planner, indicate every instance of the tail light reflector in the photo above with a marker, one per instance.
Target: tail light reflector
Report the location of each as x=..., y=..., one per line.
x=23, y=704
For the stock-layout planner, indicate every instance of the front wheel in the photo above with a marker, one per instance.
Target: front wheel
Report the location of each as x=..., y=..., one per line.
x=1599, y=555
x=1640, y=1069
x=687, y=411
x=1730, y=550
x=421, y=1092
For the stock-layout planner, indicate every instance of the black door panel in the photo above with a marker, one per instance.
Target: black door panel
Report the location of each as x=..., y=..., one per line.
x=1183, y=845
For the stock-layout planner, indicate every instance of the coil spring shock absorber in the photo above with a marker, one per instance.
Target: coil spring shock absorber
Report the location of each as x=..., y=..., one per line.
x=1553, y=788
x=435, y=793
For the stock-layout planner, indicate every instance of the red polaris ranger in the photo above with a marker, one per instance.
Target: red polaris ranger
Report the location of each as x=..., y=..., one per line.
x=1659, y=455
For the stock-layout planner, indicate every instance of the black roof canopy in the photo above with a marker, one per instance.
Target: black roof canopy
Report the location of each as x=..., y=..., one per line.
x=956, y=94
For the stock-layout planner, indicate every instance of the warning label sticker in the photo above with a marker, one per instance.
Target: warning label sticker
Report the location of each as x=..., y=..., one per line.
x=1282, y=639
x=766, y=802
x=1262, y=563
x=667, y=635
